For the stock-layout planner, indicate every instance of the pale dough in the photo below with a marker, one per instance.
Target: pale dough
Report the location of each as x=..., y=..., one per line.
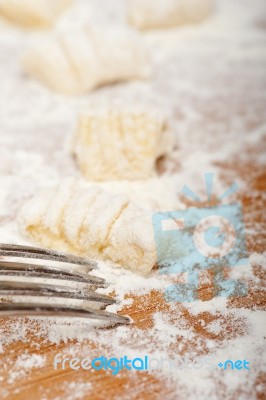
x=120, y=142
x=93, y=223
x=77, y=62
x=150, y=14
x=32, y=13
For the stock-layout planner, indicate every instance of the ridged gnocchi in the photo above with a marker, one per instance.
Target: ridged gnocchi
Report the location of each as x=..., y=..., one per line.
x=32, y=13
x=93, y=223
x=120, y=142
x=150, y=14
x=77, y=62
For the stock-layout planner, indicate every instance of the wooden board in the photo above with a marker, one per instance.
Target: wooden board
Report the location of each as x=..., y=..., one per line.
x=47, y=383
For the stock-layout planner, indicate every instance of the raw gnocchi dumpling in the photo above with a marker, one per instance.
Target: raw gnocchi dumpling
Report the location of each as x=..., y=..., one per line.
x=93, y=223
x=32, y=13
x=77, y=62
x=120, y=142
x=150, y=14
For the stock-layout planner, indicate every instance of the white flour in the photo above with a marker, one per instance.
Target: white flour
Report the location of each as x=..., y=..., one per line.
x=211, y=80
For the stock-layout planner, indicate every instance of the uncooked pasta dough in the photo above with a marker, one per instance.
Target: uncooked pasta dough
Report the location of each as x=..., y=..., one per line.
x=120, y=142
x=77, y=62
x=93, y=223
x=32, y=13
x=150, y=14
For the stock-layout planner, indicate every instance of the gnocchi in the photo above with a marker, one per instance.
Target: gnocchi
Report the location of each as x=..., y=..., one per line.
x=120, y=143
x=148, y=14
x=32, y=13
x=93, y=223
x=77, y=62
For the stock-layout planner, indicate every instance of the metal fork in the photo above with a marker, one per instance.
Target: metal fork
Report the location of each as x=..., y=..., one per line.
x=93, y=303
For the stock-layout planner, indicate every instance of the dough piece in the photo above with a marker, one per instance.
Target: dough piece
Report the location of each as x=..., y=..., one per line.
x=90, y=222
x=150, y=14
x=32, y=13
x=114, y=143
x=77, y=62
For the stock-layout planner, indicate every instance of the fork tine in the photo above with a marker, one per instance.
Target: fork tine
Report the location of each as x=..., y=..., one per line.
x=11, y=288
x=10, y=268
x=93, y=303
x=34, y=309
x=14, y=250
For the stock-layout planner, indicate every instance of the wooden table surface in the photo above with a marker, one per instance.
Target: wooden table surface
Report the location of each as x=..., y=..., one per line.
x=46, y=382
